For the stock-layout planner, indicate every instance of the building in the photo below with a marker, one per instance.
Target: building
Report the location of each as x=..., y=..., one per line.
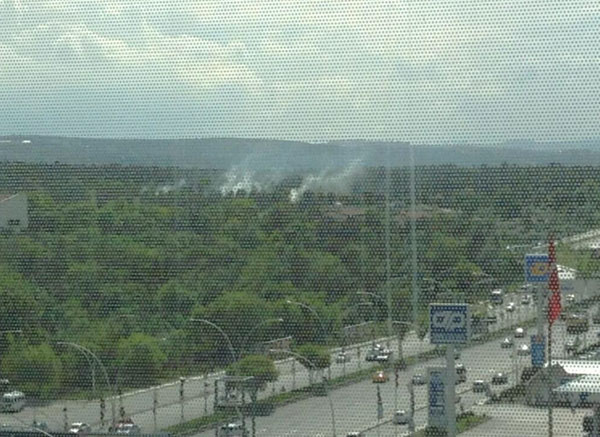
x=13, y=212
x=562, y=372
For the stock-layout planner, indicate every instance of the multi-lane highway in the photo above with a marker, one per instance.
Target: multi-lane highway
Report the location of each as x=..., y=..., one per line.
x=355, y=405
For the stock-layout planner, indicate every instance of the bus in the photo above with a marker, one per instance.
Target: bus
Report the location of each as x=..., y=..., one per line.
x=13, y=402
x=496, y=296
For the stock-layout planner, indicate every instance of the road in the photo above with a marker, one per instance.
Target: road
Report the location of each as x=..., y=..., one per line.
x=348, y=401
x=356, y=405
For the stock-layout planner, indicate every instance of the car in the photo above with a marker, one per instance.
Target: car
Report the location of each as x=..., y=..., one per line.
x=570, y=298
x=372, y=355
x=588, y=423
x=80, y=428
x=232, y=430
x=523, y=350
x=461, y=373
x=480, y=386
x=519, y=333
x=510, y=307
x=500, y=379
x=380, y=377
x=342, y=357
x=401, y=417
x=492, y=319
x=571, y=345
x=507, y=343
x=525, y=288
x=127, y=427
x=355, y=434
x=526, y=300
x=418, y=379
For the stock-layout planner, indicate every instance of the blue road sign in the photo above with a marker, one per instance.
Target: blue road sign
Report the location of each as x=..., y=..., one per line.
x=449, y=323
x=538, y=350
x=437, y=400
x=536, y=268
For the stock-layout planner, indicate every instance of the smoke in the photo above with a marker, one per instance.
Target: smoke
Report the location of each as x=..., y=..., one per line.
x=240, y=181
x=328, y=182
x=167, y=188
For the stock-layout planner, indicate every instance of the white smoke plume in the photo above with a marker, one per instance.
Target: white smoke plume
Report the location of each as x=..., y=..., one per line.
x=239, y=181
x=327, y=182
x=167, y=188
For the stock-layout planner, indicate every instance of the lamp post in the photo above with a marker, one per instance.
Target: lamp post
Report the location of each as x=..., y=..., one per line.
x=233, y=357
x=313, y=312
x=319, y=319
x=253, y=330
x=326, y=384
x=398, y=322
x=389, y=312
x=88, y=353
x=343, y=315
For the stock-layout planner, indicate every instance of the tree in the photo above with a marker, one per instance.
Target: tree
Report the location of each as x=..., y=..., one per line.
x=314, y=358
x=262, y=370
x=140, y=360
x=36, y=370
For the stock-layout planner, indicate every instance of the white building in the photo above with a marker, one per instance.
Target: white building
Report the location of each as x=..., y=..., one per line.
x=13, y=212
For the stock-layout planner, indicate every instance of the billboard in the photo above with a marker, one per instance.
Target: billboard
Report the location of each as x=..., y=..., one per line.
x=449, y=323
x=437, y=397
x=536, y=268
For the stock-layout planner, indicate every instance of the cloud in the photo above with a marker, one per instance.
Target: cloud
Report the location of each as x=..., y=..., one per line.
x=410, y=70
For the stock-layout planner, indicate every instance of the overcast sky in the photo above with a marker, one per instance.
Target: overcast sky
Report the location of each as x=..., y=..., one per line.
x=412, y=70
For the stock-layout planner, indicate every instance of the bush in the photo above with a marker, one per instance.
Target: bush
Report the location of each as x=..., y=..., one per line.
x=34, y=370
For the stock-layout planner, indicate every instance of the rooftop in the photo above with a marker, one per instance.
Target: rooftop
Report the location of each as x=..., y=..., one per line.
x=579, y=367
x=587, y=383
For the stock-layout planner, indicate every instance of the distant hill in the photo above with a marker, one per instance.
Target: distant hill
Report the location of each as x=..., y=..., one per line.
x=263, y=154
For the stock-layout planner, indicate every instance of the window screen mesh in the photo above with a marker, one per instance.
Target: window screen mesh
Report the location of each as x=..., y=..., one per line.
x=299, y=218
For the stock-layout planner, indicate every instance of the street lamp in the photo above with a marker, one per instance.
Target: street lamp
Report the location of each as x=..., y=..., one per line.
x=313, y=312
x=233, y=357
x=88, y=353
x=343, y=316
x=325, y=383
x=254, y=329
x=385, y=303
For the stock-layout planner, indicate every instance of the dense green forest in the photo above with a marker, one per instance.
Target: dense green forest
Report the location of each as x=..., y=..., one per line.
x=121, y=258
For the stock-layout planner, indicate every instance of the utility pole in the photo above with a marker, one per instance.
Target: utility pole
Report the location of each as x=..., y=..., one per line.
x=181, y=396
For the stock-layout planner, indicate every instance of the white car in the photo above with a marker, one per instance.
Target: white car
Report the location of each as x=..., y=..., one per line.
x=519, y=333
x=80, y=428
x=401, y=417
x=523, y=350
x=510, y=307
x=128, y=428
x=480, y=386
x=231, y=430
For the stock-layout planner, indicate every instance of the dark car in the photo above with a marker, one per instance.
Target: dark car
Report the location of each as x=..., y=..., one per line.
x=500, y=378
x=418, y=379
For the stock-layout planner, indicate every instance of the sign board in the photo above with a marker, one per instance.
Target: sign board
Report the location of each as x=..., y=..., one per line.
x=538, y=350
x=449, y=323
x=437, y=397
x=536, y=268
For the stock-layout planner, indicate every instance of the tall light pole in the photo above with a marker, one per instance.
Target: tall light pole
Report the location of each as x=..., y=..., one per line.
x=233, y=357
x=313, y=312
x=88, y=352
x=343, y=315
x=326, y=384
x=386, y=303
x=253, y=330
x=319, y=319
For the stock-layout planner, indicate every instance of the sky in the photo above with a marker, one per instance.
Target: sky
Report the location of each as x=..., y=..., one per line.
x=425, y=71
